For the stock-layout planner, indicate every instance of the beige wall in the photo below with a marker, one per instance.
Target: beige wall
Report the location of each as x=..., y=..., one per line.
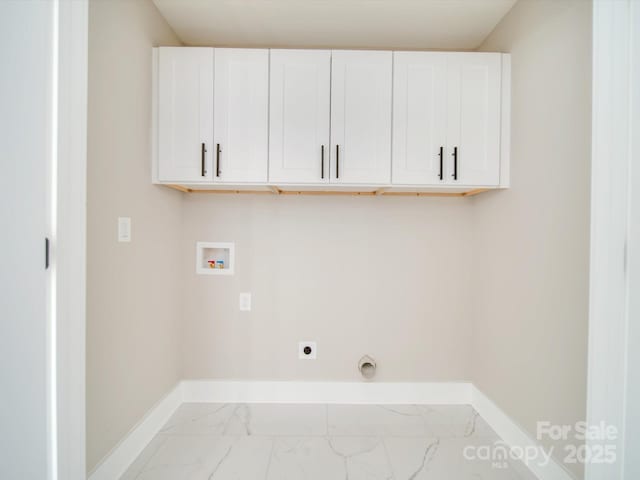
x=491, y=289
x=133, y=301
x=383, y=276
x=531, y=243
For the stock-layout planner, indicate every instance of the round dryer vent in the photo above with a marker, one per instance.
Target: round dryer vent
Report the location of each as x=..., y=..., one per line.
x=367, y=367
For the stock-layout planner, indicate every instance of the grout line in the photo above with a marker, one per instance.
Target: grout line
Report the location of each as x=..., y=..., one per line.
x=386, y=452
x=273, y=447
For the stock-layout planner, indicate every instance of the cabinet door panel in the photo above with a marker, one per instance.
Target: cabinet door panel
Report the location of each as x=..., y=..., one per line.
x=361, y=117
x=299, y=116
x=241, y=115
x=419, y=117
x=473, y=111
x=185, y=114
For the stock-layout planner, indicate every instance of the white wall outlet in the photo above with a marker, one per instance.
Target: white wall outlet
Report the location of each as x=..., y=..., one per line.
x=124, y=229
x=307, y=350
x=245, y=302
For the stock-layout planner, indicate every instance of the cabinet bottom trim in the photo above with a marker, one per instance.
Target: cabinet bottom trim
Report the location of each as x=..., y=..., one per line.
x=272, y=190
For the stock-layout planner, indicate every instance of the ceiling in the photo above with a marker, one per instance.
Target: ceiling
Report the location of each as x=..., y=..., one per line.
x=399, y=24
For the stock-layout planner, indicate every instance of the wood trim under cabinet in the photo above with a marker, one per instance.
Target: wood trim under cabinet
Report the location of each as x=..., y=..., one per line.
x=273, y=190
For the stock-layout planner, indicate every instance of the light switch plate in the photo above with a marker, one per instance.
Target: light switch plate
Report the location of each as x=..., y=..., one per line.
x=124, y=229
x=245, y=302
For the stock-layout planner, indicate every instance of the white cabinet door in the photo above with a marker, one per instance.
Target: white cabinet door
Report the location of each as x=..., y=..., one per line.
x=299, y=116
x=473, y=118
x=241, y=110
x=419, y=118
x=185, y=114
x=361, y=117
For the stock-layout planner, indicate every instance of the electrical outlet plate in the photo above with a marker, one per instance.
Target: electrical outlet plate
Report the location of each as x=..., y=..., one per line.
x=124, y=229
x=303, y=348
x=245, y=302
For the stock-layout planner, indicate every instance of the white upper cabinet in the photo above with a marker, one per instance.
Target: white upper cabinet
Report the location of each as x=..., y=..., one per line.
x=446, y=118
x=361, y=117
x=241, y=115
x=419, y=117
x=473, y=118
x=299, y=116
x=184, y=114
x=251, y=117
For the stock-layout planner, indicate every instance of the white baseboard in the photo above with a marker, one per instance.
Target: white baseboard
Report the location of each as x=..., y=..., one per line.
x=515, y=436
x=229, y=391
x=222, y=391
x=125, y=452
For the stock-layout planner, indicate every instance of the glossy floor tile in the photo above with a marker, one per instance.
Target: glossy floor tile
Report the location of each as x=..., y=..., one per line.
x=278, y=420
x=318, y=458
x=322, y=442
x=444, y=458
x=376, y=420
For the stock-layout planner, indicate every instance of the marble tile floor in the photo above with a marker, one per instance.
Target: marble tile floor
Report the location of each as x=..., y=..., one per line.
x=206, y=441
